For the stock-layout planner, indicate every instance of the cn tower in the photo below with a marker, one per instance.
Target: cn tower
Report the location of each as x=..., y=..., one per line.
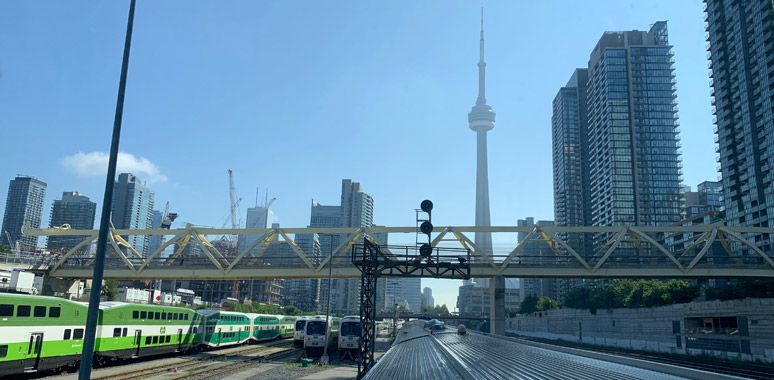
x=481, y=119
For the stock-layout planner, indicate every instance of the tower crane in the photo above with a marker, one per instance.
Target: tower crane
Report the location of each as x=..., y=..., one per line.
x=11, y=244
x=166, y=223
x=234, y=224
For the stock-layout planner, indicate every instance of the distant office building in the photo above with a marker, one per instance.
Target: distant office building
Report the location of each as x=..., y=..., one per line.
x=570, y=147
x=476, y=300
x=304, y=293
x=357, y=210
x=325, y=217
x=634, y=161
x=702, y=207
x=708, y=197
x=741, y=56
x=357, y=207
x=75, y=210
x=155, y=240
x=711, y=194
x=23, y=204
x=427, y=298
x=403, y=289
x=536, y=251
x=132, y=208
x=257, y=217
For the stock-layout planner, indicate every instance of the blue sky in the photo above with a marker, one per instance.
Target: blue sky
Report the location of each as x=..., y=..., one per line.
x=293, y=96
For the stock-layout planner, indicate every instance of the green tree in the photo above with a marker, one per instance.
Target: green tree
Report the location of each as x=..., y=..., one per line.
x=5, y=249
x=110, y=290
x=578, y=298
x=529, y=305
x=546, y=303
x=292, y=310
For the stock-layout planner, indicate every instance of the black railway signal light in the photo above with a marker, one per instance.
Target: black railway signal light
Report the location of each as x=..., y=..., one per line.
x=426, y=228
x=425, y=250
x=426, y=206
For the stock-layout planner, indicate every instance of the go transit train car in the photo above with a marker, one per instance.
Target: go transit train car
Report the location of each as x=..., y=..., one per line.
x=298, y=332
x=315, y=334
x=264, y=326
x=349, y=333
x=39, y=333
x=129, y=330
x=224, y=328
x=287, y=326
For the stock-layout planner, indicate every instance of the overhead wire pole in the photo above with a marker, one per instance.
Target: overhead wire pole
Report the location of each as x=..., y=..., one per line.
x=104, y=224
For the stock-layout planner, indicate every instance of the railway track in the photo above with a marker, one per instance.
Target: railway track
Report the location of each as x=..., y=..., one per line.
x=241, y=365
x=725, y=367
x=189, y=364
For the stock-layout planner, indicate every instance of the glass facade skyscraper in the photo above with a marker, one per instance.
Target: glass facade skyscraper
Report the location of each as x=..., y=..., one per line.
x=634, y=161
x=570, y=148
x=133, y=209
x=741, y=46
x=24, y=204
x=75, y=210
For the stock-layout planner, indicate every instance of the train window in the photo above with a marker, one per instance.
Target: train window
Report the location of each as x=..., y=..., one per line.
x=78, y=334
x=125, y=331
x=164, y=315
x=169, y=337
x=186, y=316
x=174, y=316
x=3, y=351
x=194, y=330
x=6, y=310
x=136, y=314
x=116, y=332
x=67, y=333
x=156, y=340
x=54, y=312
x=23, y=311
x=158, y=315
x=40, y=311
x=147, y=340
x=143, y=314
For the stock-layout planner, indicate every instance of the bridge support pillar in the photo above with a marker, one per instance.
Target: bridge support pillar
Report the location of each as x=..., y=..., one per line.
x=497, y=305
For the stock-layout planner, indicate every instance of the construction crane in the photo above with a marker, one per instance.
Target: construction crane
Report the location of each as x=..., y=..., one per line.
x=10, y=243
x=166, y=223
x=234, y=224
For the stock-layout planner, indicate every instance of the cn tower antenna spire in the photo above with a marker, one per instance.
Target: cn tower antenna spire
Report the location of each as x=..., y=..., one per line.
x=481, y=66
x=481, y=120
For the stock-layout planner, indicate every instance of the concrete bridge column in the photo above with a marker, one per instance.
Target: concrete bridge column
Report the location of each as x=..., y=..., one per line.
x=497, y=305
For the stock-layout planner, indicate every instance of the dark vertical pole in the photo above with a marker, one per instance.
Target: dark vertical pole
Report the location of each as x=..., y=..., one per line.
x=104, y=224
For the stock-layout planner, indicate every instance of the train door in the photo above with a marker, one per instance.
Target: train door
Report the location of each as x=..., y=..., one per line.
x=32, y=360
x=219, y=335
x=179, y=339
x=137, y=341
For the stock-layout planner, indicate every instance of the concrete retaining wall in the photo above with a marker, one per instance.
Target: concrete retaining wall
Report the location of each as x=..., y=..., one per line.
x=653, y=329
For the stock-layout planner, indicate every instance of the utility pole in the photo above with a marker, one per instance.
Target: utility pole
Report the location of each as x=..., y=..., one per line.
x=104, y=225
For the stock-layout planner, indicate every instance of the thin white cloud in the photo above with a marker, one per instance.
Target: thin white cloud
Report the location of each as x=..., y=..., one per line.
x=95, y=164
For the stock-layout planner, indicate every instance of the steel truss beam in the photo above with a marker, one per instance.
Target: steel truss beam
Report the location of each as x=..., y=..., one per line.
x=629, y=251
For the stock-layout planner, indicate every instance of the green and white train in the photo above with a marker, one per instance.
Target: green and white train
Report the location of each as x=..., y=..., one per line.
x=269, y=327
x=315, y=336
x=45, y=333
